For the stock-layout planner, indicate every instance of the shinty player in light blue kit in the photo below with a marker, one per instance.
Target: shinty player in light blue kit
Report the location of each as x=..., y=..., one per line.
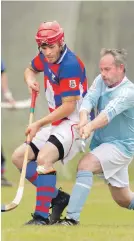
x=112, y=145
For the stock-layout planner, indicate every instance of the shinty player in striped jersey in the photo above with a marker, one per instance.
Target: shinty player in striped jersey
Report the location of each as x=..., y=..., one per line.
x=65, y=85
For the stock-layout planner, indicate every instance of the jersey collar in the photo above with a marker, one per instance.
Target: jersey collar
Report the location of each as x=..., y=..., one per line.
x=116, y=86
x=62, y=55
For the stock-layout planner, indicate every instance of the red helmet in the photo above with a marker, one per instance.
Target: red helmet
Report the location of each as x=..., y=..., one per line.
x=49, y=33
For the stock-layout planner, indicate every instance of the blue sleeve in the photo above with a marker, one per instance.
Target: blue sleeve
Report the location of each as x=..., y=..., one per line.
x=122, y=102
x=90, y=100
x=69, y=70
x=2, y=67
x=37, y=63
x=69, y=80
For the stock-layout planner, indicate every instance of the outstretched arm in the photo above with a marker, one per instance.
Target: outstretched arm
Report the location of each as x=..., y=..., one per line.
x=61, y=112
x=100, y=121
x=122, y=102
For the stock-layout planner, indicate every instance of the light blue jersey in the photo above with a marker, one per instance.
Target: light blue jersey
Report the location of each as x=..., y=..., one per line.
x=118, y=104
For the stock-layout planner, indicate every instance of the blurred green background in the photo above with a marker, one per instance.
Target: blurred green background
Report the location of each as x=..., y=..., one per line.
x=89, y=26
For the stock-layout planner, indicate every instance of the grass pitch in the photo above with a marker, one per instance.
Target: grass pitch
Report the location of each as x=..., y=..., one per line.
x=101, y=218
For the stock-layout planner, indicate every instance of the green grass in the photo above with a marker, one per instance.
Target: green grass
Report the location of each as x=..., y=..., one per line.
x=101, y=218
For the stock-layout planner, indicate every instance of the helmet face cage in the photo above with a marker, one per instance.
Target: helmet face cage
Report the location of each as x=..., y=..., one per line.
x=49, y=33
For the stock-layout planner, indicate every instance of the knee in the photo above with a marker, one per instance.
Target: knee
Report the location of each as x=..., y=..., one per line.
x=90, y=163
x=44, y=165
x=44, y=160
x=82, y=167
x=84, y=164
x=87, y=164
x=40, y=159
x=16, y=159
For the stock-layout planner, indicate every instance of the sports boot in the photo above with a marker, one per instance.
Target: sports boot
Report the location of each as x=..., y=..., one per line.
x=38, y=220
x=58, y=205
x=68, y=222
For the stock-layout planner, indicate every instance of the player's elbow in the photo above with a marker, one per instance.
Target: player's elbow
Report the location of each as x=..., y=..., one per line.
x=29, y=73
x=30, y=70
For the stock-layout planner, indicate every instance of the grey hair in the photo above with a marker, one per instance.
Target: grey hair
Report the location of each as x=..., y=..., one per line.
x=118, y=54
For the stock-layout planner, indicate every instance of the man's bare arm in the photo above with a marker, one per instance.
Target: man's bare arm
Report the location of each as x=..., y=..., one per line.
x=30, y=77
x=61, y=112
